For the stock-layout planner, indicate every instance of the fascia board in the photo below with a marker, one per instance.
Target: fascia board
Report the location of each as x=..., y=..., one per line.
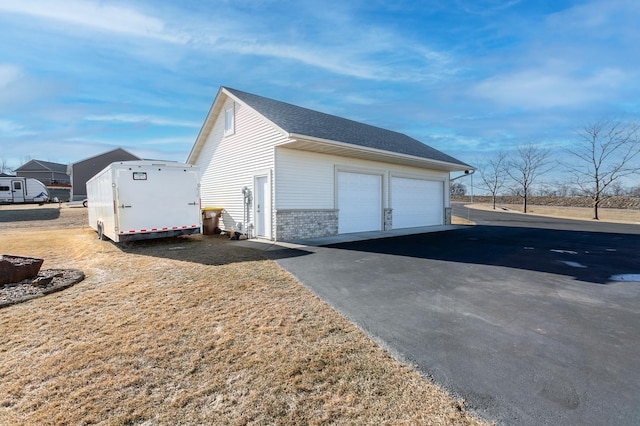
x=444, y=164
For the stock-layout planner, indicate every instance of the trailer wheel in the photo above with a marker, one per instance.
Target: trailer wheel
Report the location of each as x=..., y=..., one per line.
x=100, y=231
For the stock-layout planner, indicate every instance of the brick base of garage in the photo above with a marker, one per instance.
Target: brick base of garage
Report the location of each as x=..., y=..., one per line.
x=292, y=225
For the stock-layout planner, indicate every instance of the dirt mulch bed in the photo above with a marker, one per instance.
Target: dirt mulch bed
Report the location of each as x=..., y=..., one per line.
x=46, y=282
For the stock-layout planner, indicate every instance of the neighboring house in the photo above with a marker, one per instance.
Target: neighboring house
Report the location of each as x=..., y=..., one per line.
x=284, y=172
x=84, y=170
x=52, y=175
x=45, y=171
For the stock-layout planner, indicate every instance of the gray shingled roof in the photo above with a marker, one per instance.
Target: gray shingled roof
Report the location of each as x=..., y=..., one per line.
x=302, y=121
x=39, y=165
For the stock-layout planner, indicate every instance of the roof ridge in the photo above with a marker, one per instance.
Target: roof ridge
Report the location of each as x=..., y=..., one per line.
x=232, y=90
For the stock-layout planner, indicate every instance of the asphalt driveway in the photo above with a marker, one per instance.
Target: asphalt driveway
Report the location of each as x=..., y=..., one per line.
x=517, y=316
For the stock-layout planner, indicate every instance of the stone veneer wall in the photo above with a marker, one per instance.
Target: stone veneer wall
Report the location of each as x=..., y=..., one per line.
x=294, y=225
x=447, y=215
x=388, y=219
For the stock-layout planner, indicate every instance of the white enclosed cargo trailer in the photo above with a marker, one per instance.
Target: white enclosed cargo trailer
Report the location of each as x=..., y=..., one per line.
x=138, y=200
x=19, y=190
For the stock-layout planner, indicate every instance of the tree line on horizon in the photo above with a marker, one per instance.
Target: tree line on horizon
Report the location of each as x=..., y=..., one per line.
x=604, y=153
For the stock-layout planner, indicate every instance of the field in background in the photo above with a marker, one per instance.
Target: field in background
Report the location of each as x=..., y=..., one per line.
x=581, y=213
x=619, y=203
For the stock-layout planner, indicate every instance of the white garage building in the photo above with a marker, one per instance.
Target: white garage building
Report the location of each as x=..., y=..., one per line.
x=284, y=172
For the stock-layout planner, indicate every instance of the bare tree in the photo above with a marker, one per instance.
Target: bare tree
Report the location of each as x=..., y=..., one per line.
x=4, y=167
x=527, y=165
x=616, y=189
x=606, y=152
x=494, y=175
x=457, y=189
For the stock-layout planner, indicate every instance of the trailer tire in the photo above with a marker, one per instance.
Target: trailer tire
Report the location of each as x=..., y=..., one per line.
x=100, y=231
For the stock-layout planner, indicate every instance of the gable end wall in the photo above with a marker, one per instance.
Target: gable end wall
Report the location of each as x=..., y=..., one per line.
x=229, y=163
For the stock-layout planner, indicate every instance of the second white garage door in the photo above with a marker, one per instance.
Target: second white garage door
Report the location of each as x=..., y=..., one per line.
x=359, y=202
x=416, y=202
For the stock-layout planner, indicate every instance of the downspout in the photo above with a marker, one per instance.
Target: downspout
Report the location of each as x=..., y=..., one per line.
x=466, y=173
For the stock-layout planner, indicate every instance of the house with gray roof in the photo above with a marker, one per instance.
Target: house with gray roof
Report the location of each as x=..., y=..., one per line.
x=283, y=172
x=52, y=175
x=45, y=171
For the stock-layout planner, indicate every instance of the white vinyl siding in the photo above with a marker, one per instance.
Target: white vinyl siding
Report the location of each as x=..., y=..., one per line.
x=416, y=202
x=306, y=180
x=229, y=163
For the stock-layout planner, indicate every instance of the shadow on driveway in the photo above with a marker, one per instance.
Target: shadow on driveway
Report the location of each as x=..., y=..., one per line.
x=585, y=256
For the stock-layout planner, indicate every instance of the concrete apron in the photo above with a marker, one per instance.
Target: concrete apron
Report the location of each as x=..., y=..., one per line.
x=354, y=236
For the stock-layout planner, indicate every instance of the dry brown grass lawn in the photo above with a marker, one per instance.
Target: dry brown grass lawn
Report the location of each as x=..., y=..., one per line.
x=190, y=331
x=456, y=220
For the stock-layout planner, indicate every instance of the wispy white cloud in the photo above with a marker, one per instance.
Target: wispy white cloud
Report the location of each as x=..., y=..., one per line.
x=314, y=56
x=143, y=119
x=368, y=57
x=8, y=74
x=335, y=39
x=545, y=88
x=96, y=15
x=375, y=53
x=11, y=129
x=19, y=89
x=598, y=19
x=581, y=57
x=175, y=141
x=484, y=7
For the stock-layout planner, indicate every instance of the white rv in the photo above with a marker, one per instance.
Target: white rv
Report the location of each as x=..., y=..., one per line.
x=137, y=200
x=19, y=190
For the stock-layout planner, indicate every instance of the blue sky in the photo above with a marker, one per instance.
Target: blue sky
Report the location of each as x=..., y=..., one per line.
x=468, y=77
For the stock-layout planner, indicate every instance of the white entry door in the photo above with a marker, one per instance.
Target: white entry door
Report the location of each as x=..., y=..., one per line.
x=18, y=191
x=359, y=202
x=416, y=202
x=263, y=207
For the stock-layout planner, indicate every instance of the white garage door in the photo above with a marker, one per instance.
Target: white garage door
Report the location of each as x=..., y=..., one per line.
x=416, y=202
x=359, y=202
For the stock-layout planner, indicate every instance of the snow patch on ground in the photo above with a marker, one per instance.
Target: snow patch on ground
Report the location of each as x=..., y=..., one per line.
x=573, y=264
x=564, y=251
x=625, y=277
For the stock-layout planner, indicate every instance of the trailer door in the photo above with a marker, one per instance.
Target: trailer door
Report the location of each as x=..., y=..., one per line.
x=18, y=191
x=156, y=199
